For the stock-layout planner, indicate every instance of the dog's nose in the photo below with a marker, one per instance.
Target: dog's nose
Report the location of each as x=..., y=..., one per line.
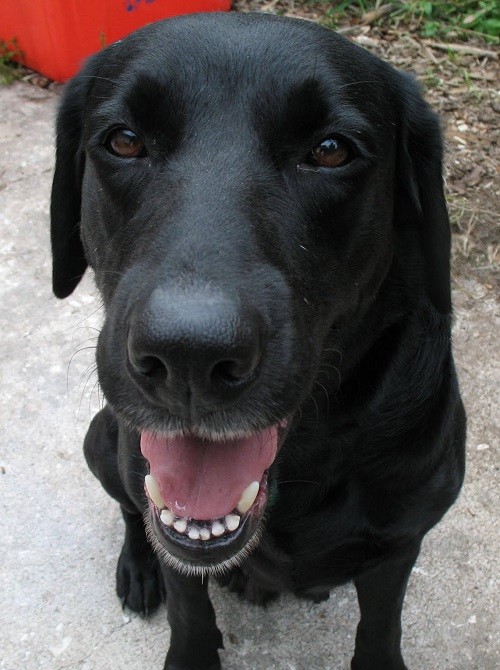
x=194, y=351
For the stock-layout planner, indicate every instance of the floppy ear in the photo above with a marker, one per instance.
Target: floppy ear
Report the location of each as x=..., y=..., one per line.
x=420, y=193
x=68, y=257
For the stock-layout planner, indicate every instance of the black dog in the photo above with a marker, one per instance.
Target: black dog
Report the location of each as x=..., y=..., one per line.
x=261, y=203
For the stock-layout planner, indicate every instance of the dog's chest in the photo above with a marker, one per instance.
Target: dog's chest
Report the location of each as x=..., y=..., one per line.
x=315, y=541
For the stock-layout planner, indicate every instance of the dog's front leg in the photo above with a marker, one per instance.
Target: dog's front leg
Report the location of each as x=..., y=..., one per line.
x=139, y=583
x=195, y=637
x=381, y=592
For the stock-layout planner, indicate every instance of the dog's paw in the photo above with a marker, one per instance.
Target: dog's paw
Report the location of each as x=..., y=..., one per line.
x=316, y=596
x=213, y=666
x=139, y=582
x=247, y=588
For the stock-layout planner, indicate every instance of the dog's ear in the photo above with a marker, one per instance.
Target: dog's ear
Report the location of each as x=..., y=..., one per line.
x=68, y=257
x=420, y=197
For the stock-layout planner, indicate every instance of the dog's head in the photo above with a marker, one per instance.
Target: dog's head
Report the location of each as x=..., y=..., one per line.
x=246, y=189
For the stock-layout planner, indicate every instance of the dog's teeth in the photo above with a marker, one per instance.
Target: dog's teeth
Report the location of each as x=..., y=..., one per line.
x=194, y=533
x=205, y=533
x=248, y=497
x=154, y=491
x=232, y=521
x=167, y=517
x=183, y=526
x=180, y=525
x=217, y=529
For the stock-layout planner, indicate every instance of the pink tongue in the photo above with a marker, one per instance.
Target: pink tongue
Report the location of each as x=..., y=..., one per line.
x=201, y=479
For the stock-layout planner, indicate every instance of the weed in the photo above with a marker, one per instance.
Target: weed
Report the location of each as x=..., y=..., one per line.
x=433, y=18
x=439, y=18
x=431, y=79
x=9, y=70
x=477, y=93
x=458, y=207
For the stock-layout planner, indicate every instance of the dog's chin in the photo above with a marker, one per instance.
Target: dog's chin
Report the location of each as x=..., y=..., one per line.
x=207, y=557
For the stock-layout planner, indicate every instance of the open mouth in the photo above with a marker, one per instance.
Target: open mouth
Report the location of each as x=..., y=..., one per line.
x=207, y=497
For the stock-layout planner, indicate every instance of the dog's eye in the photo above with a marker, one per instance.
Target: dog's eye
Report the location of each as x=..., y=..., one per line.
x=331, y=153
x=125, y=143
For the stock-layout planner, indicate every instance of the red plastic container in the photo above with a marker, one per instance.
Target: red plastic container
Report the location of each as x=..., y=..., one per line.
x=55, y=36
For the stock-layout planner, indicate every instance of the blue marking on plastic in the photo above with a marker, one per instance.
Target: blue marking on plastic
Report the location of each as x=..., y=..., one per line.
x=130, y=5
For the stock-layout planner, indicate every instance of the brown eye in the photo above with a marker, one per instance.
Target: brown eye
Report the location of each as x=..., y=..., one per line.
x=331, y=153
x=125, y=143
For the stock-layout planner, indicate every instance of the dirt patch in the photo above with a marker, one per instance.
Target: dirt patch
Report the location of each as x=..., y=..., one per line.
x=460, y=80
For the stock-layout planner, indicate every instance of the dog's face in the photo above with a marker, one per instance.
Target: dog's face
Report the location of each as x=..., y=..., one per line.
x=245, y=184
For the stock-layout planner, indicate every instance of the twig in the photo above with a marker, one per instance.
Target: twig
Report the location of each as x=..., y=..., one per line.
x=463, y=48
x=377, y=13
x=269, y=6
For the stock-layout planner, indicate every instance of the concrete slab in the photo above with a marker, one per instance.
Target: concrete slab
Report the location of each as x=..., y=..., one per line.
x=60, y=534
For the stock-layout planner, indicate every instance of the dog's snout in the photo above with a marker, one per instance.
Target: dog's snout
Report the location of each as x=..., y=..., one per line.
x=196, y=350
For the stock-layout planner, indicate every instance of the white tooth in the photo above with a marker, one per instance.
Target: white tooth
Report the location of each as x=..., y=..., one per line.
x=248, y=497
x=204, y=533
x=232, y=521
x=180, y=525
x=154, y=491
x=167, y=517
x=217, y=529
x=194, y=533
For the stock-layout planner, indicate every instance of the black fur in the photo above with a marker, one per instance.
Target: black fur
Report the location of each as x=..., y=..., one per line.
x=340, y=277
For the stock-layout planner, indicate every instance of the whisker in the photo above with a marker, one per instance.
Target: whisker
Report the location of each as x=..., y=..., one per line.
x=65, y=330
x=89, y=376
x=327, y=396
x=78, y=351
x=99, y=399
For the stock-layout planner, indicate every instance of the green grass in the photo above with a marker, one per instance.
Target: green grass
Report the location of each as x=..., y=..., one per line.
x=9, y=70
x=460, y=18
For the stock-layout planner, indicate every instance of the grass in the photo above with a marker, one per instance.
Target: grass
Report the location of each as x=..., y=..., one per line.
x=9, y=70
x=461, y=18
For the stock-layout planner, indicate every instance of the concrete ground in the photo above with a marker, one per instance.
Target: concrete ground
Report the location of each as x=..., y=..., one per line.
x=60, y=534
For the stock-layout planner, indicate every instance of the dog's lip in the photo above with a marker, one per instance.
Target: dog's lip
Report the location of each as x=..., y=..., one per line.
x=216, y=550
x=200, y=551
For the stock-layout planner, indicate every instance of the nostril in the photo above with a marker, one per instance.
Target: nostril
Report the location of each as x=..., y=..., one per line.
x=231, y=372
x=151, y=366
x=141, y=361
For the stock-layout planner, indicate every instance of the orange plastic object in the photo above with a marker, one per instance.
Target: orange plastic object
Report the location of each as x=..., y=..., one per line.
x=55, y=36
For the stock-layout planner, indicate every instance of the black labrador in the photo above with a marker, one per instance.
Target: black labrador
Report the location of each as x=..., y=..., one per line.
x=261, y=203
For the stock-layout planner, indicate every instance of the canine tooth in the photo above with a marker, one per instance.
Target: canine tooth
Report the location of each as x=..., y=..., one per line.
x=248, y=497
x=194, y=533
x=180, y=525
x=204, y=533
x=167, y=517
x=217, y=529
x=154, y=491
x=232, y=521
